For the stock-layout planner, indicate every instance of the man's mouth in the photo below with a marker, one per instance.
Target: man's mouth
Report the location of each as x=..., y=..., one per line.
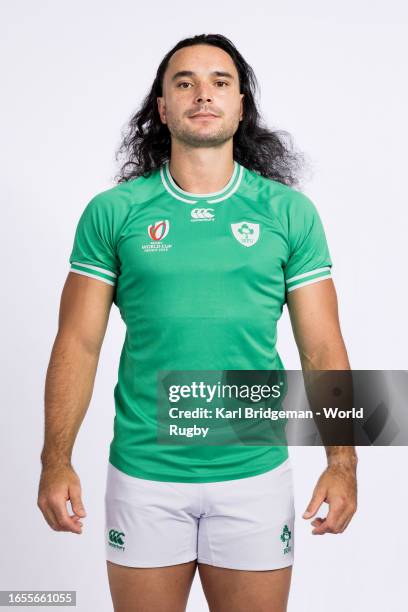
x=203, y=116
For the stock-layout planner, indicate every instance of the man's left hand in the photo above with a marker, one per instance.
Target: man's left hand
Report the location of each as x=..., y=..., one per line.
x=337, y=486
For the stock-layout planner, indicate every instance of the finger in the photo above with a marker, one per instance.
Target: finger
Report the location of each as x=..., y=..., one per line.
x=65, y=522
x=51, y=518
x=333, y=521
x=320, y=526
x=314, y=505
x=76, y=519
x=338, y=512
x=76, y=501
x=317, y=521
x=337, y=519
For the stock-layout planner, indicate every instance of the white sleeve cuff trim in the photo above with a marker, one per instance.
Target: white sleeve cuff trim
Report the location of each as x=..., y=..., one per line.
x=104, y=280
x=92, y=267
x=288, y=280
x=309, y=282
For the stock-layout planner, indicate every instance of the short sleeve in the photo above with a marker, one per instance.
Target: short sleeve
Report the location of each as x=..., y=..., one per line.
x=309, y=258
x=94, y=252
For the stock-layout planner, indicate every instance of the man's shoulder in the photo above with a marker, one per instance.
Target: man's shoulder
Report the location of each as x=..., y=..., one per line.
x=126, y=194
x=283, y=199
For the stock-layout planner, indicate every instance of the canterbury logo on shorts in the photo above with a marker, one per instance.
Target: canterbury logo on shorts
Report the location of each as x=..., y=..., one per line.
x=116, y=539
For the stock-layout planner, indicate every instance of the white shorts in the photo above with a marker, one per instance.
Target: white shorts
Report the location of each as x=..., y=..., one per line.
x=245, y=524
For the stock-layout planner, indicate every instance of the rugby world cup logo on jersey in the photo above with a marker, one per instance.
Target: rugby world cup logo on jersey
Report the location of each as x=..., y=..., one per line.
x=159, y=230
x=202, y=214
x=157, y=233
x=245, y=232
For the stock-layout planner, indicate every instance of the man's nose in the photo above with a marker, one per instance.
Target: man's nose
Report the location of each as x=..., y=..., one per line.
x=203, y=95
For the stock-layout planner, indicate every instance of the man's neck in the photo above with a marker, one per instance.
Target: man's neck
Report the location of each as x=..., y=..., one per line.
x=206, y=171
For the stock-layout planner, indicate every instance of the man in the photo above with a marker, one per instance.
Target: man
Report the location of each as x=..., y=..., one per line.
x=200, y=245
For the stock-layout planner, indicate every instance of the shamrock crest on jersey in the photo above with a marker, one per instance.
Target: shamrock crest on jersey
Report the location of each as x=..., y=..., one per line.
x=246, y=233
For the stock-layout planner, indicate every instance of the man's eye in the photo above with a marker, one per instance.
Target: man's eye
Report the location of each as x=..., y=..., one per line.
x=186, y=83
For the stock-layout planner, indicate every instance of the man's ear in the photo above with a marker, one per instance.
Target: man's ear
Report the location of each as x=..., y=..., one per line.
x=241, y=116
x=161, y=107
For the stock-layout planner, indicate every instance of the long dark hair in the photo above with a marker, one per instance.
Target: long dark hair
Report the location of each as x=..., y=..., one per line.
x=146, y=140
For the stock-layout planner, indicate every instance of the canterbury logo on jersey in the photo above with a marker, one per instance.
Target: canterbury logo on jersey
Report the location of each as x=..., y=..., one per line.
x=202, y=214
x=159, y=230
x=116, y=539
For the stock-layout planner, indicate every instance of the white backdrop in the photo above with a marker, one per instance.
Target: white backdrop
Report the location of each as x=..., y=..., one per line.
x=72, y=74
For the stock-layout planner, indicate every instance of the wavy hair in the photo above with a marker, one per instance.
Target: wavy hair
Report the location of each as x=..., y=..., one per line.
x=146, y=141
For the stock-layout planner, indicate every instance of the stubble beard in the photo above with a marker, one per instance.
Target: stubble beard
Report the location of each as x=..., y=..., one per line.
x=196, y=139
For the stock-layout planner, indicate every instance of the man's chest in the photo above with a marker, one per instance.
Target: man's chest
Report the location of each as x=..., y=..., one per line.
x=202, y=261
x=206, y=242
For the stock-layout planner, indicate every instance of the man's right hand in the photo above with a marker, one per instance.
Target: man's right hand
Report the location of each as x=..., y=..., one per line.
x=58, y=485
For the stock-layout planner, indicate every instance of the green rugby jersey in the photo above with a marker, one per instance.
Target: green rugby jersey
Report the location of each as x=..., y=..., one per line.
x=200, y=282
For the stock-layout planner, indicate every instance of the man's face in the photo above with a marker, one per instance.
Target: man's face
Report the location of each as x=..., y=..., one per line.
x=201, y=79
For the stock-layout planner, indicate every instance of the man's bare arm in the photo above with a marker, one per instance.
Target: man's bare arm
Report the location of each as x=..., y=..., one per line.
x=83, y=318
x=313, y=311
